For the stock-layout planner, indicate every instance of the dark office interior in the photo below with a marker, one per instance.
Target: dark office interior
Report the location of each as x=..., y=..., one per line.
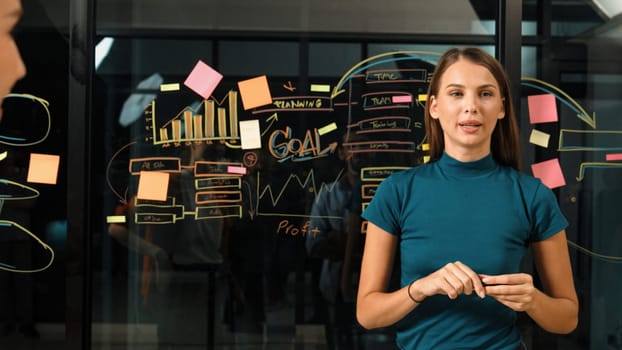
x=192, y=272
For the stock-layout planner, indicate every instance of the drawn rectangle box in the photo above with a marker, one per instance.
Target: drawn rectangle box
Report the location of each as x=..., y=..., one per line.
x=214, y=212
x=218, y=182
x=161, y=164
x=154, y=218
x=207, y=168
x=368, y=190
x=379, y=173
x=170, y=201
x=590, y=140
x=207, y=197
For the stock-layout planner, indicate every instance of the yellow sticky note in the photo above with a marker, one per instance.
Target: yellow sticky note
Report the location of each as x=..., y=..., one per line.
x=250, y=134
x=422, y=97
x=539, y=138
x=426, y=159
x=115, y=219
x=43, y=168
x=255, y=92
x=328, y=128
x=153, y=185
x=425, y=147
x=320, y=88
x=169, y=87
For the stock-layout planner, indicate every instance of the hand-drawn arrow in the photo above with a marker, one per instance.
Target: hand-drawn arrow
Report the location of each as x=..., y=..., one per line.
x=273, y=118
x=122, y=199
x=367, y=63
x=567, y=100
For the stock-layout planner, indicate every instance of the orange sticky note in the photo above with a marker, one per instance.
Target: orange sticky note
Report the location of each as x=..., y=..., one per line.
x=550, y=172
x=542, y=108
x=43, y=168
x=255, y=92
x=203, y=79
x=153, y=185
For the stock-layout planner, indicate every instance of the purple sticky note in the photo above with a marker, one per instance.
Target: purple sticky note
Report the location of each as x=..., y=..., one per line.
x=203, y=79
x=550, y=172
x=542, y=108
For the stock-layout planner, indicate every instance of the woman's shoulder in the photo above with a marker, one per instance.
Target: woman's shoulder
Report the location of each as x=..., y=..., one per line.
x=405, y=174
x=527, y=182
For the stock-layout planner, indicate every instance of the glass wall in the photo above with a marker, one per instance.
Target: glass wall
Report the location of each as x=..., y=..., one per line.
x=223, y=253
x=226, y=254
x=33, y=204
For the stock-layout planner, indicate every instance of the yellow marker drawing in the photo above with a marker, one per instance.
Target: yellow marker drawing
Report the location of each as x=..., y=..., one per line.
x=363, y=65
x=45, y=104
x=320, y=88
x=328, y=128
x=570, y=102
x=169, y=87
x=10, y=268
x=115, y=219
x=539, y=138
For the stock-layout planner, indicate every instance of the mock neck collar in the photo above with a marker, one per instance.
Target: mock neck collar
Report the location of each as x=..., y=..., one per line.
x=454, y=167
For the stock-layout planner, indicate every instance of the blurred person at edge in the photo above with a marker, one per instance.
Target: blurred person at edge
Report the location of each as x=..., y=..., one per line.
x=11, y=65
x=12, y=69
x=463, y=222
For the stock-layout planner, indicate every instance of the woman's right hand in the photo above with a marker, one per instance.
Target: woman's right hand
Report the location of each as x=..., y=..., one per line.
x=452, y=280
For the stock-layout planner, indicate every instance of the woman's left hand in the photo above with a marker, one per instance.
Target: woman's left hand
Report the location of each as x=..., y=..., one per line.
x=515, y=291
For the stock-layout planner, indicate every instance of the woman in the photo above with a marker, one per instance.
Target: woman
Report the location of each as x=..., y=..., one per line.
x=463, y=222
x=11, y=66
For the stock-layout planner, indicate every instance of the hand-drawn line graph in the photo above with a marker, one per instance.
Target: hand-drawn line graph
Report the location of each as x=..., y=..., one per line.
x=308, y=183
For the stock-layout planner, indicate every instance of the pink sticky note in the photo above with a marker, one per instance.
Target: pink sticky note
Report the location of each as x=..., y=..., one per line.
x=402, y=99
x=542, y=108
x=255, y=92
x=613, y=156
x=550, y=172
x=203, y=79
x=153, y=185
x=236, y=170
x=43, y=168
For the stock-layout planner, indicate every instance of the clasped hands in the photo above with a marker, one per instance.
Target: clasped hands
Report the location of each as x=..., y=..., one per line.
x=515, y=291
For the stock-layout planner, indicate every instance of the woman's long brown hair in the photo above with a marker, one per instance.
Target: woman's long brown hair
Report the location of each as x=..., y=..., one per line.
x=505, y=145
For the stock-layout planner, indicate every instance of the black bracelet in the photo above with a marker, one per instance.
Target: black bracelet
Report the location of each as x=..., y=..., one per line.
x=410, y=295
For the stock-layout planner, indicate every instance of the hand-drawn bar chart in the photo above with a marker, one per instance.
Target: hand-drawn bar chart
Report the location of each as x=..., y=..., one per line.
x=207, y=121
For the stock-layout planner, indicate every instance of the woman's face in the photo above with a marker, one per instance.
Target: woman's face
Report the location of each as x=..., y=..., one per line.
x=11, y=66
x=468, y=105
